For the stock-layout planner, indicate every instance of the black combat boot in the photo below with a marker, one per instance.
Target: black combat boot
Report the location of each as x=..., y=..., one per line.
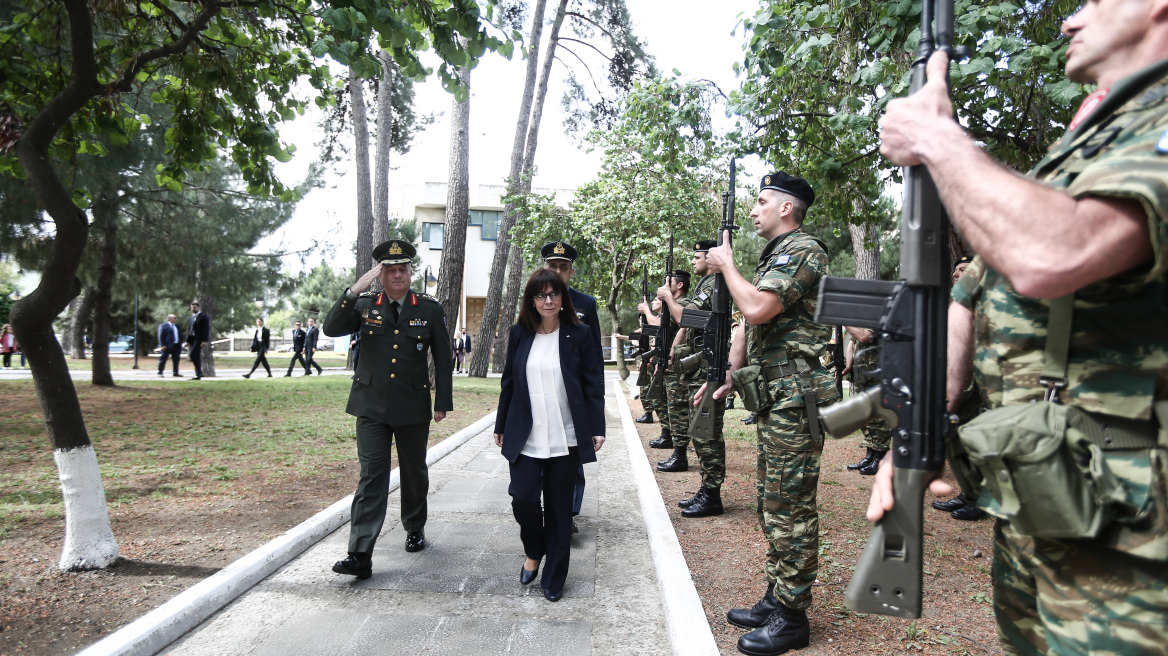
x=864, y=462
x=663, y=442
x=678, y=462
x=873, y=465
x=729, y=404
x=755, y=616
x=357, y=564
x=646, y=418
x=709, y=506
x=784, y=630
x=752, y=419
x=969, y=512
x=949, y=506
x=686, y=503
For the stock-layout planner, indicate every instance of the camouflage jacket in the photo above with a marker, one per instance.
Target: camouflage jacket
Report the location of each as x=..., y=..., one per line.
x=791, y=266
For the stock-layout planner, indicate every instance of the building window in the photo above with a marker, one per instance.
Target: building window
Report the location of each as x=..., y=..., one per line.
x=474, y=217
x=433, y=232
x=491, y=225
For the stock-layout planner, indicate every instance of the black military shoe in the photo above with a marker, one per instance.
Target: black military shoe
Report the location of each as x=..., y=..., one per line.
x=646, y=418
x=709, y=506
x=873, y=465
x=864, y=462
x=663, y=442
x=950, y=505
x=752, y=419
x=969, y=512
x=357, y=564
x=729, y=403
x=686, y=503
x=415, y=541
x=784, y=630
x=678, y=462
x=755, y=616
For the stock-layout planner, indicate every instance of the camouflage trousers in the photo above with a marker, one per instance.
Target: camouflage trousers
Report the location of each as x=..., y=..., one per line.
x=1076, y=597
x=711, y=452
x=676, y=415
x=877, y=435
x=788, y=478
x=644, y=379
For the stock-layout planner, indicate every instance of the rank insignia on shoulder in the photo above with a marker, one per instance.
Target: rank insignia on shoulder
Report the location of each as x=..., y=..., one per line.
x=1162, y=144
x=417, y=323
x=782, y=259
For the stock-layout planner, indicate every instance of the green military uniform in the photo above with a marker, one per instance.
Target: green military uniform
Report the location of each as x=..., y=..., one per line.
x=391, y=398
x=711, y=453
x=676, y=388
x=791, y=265
x=1107, y=595
x=877, y=433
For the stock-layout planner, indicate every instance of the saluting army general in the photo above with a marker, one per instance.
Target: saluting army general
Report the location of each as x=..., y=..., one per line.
x=1068, y=301
x=784, y=341
x=390, y=396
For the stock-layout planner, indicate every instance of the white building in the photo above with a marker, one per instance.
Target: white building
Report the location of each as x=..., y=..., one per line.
x=426, y=203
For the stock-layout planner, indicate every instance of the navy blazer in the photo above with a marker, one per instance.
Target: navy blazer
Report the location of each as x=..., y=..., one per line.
x=583, y=381
x=585, y=305
x=166, y=335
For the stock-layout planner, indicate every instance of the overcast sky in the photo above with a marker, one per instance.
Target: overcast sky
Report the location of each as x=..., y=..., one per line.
x=689, y=35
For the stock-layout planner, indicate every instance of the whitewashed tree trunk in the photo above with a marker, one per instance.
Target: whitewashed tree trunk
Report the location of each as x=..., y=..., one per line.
x=381, y=154
x=364, y=200
x=89, y=540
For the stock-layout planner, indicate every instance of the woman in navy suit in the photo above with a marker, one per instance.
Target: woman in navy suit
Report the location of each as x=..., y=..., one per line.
x=550, y=420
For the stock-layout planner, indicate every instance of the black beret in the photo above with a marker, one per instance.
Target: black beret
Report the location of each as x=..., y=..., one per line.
x=394, y=251
x=680, y=273
x=964, y=259
x=789, y=184
x=705, y=245
x=558, y=250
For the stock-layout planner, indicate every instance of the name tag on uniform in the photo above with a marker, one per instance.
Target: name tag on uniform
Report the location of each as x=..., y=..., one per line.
x=418, y=322
x=1162, y=144
x=782, y=259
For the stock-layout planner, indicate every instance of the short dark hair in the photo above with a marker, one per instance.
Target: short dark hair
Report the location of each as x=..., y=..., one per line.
x=541, y=279
x=684, y=282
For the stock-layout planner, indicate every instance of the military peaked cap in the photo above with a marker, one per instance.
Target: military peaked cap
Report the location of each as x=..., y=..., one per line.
x=705, y=245
x=394, y=251
x=789, y=184
x=558, y=250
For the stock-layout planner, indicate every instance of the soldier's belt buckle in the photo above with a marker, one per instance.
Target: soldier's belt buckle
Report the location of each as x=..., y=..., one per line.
x=1053, y=385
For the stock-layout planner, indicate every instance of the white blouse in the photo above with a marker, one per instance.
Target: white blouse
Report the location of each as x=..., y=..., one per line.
x=552, y=432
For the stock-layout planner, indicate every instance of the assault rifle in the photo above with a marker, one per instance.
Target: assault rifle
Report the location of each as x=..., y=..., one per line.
x=839, y=359
x=647, y=338
x=911, y=317
x=715, y=327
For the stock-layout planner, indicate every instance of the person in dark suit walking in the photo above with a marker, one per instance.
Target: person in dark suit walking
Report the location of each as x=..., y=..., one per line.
x=310, y=338
x=390, y=396
x=170, y=341
x=198, y=334
x=298, y=336
x=461, y=347
x=550, y=420
x=560, y=257
x=260, y=344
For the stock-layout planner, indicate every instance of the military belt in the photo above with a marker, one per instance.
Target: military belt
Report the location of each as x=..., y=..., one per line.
x=777, y=371
x=1111, y=433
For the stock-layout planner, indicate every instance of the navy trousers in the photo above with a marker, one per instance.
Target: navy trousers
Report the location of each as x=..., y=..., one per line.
x=545, y=528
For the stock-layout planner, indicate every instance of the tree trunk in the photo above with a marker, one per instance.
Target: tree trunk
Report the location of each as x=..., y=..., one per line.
x=515, y=273
x=105, y=215
x=486, y=335
x=206, y=303
x=450, y=271
x=381, y=154
x=67, y=333
x=867, y=259
x=89, y=541
x=361, y=155
x=80, y=320
x=619, y=278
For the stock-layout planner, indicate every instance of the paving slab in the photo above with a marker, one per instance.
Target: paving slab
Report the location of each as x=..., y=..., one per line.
x=461, y=595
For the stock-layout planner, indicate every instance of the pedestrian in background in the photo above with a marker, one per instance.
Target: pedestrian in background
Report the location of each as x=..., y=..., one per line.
x=298, y=336
x=170, y=343
x=198, y=334
x=259, y=346
x=7, y=345
x=550, y=421
x=310, y=338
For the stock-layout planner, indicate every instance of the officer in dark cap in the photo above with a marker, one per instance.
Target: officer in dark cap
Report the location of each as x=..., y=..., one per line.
x=790, y=388
x=390, y=396
x=561, y=257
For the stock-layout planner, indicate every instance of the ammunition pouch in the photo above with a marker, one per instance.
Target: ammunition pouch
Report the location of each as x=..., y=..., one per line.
x=1045, y=468
x=685, y=361
x=752, y=385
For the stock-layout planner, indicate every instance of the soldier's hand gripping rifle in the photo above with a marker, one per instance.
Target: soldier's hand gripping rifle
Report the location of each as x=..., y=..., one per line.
x=911, y=317
x=715, y=327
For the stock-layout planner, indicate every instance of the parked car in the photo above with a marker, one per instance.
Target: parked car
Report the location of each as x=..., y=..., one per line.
x=121, y=344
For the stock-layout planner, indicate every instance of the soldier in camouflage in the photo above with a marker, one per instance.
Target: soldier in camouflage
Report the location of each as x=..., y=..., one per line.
x=711, y=452
x=653, y=399
x=1088, y=222
x=877, y=433
x=677, y=394
x=783, y=340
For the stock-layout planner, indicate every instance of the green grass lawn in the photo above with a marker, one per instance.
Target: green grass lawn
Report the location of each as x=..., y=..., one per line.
x=156, y=440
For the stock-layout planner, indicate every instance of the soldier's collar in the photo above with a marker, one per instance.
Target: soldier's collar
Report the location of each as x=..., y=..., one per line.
x=774, y=244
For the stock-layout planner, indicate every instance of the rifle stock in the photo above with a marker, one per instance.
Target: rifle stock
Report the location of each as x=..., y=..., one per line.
x=911, y=316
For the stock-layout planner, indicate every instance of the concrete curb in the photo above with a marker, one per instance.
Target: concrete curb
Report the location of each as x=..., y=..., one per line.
x=685, y=618
x=155, y=630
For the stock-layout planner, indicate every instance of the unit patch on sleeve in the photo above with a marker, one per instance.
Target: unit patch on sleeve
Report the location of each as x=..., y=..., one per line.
x=782, y=259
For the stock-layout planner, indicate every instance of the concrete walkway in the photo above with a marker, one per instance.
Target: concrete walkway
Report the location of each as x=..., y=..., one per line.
x=628, y=589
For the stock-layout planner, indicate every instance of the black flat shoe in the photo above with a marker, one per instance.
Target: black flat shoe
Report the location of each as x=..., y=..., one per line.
x=526, y=576
x=359, y=565
x=415, y=541
x=552, y=596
